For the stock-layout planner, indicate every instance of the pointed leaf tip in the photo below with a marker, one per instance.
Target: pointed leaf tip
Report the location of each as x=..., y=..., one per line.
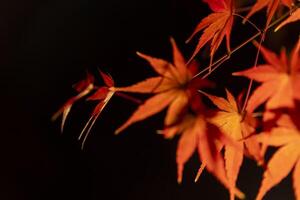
x=172, y=40
x=117, y=132
x=199, y=173
x=108, y=80
x=179, y=180
x=295, y=16
x=236, y=74
x=140, y=54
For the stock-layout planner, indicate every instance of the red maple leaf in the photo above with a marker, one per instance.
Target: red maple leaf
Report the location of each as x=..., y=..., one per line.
x=238, y=126
x=216, y=26
x=173, y=88
x=198, y=134
x=286, y=136
x=83, y=88
x=272, y=6
x=103, y=94
x=280, y=80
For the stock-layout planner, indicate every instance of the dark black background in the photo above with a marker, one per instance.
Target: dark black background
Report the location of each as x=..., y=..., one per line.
x=46, y=46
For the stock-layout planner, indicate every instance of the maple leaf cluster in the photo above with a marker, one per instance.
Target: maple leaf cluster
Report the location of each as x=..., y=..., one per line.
x=232, y=128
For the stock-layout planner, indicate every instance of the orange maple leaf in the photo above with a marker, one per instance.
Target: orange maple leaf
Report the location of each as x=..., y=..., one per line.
x=272, y=6
x=295, y=16
x=238, y=126
x=217, y=25
x=198, y=134
x=286, y=136
x=280, y=80
x=83, y=88
x=173, y=88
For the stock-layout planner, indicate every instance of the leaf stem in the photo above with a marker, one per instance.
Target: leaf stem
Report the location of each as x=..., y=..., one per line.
x=128, y=97
x=251, y=81
x=247, y=20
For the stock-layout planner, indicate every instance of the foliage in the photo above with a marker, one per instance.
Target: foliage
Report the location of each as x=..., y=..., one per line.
x=233, y=127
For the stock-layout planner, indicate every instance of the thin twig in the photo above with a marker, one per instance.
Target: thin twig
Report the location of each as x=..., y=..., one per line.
x=207, y=68
x=251, y=81
x=247, y=20
x=225, y=57
x=213, y=69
